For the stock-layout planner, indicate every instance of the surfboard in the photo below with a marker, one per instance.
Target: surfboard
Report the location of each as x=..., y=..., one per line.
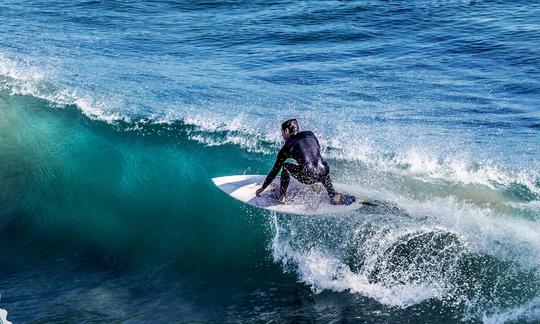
x=301, y=199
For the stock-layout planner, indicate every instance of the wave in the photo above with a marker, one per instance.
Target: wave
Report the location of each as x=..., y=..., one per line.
x=457, y=217
x=255, y=135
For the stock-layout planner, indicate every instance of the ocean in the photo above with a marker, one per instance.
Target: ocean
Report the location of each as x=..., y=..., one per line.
x=115, y=116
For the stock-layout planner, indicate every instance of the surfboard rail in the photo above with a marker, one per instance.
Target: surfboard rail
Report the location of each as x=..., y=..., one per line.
x=301, y=199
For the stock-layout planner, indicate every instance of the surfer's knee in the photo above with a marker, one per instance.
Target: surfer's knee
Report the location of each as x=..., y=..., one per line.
x=288, y=169
x=287, y=166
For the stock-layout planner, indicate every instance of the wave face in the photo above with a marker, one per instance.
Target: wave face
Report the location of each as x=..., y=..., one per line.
x=115, y=116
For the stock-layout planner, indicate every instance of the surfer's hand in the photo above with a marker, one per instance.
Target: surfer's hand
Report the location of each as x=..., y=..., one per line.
x=259, y=192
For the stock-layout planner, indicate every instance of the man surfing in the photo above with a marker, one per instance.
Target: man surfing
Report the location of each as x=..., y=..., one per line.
x=304, y=148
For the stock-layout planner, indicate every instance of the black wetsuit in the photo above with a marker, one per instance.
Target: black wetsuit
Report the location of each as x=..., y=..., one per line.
x=311, y=168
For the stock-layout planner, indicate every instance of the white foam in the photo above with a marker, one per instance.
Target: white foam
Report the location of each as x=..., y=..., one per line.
x=530, y=312
x=249, y=144
x=529, y=206
x=484, y=230
x=30, y=81
x=221, y=131
x=476, y=229
x=323, y=270
x=424, y=165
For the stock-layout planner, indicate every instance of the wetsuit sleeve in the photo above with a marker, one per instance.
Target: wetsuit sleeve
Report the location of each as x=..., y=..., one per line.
x=281, y=158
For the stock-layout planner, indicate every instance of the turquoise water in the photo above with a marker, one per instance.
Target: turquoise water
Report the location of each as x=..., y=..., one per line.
x=115, y=116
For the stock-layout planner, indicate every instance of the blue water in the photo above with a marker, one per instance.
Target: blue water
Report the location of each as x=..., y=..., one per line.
x=114, y=116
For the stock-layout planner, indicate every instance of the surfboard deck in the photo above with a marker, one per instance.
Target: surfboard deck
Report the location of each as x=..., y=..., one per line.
x=301, y=199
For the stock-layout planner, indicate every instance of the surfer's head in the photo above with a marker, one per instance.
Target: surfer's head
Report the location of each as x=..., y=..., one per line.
x=288, y=128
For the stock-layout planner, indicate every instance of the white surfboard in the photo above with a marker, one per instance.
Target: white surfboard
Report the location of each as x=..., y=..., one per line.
x=301, y=199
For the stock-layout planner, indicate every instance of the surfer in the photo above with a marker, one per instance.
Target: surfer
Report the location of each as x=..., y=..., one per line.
x=304, y=148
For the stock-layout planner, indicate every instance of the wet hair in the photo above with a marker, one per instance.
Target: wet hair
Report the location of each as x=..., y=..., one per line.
x=291, y=125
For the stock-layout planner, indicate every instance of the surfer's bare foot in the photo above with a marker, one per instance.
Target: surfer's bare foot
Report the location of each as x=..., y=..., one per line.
x=342, y=199
x=282, y=199
x=336, y=200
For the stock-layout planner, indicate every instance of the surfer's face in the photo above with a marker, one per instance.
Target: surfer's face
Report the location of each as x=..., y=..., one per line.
x=285, y=134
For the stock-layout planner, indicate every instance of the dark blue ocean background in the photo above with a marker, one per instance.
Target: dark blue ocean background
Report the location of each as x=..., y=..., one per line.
x=115, y=115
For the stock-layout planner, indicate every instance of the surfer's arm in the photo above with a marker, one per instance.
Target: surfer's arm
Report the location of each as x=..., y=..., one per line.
x=280, y=160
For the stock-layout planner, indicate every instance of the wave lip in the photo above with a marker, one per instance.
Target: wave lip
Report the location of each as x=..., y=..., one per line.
x=22, y=80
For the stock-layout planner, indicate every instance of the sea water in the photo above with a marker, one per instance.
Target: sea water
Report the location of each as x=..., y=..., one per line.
x=115, y=115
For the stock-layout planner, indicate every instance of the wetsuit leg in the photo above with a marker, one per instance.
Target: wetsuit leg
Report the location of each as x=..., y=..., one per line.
x=324, y=178
x=297, y=172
